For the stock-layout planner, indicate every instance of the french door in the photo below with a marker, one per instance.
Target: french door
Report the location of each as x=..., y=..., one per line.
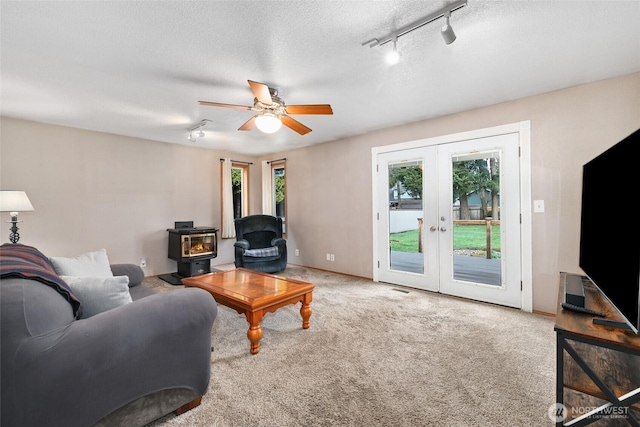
x=448, y=218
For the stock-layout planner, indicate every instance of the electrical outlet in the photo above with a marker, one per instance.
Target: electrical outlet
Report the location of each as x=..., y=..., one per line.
x=297, y=252
x=328, y=257
x=333, y=257
x=143, y=262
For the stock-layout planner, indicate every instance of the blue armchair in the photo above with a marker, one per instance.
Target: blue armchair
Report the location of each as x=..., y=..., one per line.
x=259, y=244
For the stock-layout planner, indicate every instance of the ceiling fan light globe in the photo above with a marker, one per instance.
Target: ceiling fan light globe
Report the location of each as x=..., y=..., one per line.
x=268, y=123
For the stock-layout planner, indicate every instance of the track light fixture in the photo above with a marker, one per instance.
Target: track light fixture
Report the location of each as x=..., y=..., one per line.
x=447, y=32
x=198, y=127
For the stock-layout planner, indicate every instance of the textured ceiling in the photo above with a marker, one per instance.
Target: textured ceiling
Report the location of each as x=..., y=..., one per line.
x=138, y=68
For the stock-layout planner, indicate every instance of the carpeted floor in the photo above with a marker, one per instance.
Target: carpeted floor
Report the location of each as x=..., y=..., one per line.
x=375, y=356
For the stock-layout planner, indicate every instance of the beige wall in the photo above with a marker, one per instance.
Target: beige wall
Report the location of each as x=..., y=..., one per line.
x=330, y=204
x=93, y=190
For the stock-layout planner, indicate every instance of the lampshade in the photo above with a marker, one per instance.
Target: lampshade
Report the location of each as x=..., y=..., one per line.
x=268, y=123
x=14, y=201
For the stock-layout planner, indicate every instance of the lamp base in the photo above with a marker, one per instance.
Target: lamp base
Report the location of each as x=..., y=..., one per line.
x=14, y=236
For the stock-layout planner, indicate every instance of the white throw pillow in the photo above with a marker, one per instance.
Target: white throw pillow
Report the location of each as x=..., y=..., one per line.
x=98, y=294
x=91, y=264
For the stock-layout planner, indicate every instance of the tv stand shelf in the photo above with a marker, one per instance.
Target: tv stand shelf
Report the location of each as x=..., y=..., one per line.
x=597, y=367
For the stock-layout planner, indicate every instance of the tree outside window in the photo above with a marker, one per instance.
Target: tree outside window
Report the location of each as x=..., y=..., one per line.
x=237, y=183
x=279, y=193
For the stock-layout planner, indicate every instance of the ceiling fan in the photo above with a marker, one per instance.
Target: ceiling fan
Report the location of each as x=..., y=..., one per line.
x=273, y=111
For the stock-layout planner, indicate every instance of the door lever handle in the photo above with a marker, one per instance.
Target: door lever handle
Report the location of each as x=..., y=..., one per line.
x=443, y=229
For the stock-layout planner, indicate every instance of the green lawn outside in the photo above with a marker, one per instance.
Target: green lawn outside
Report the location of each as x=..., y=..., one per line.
x=464, y=237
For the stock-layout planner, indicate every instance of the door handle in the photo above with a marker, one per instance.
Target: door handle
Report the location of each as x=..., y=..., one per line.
x=443, y=229
x=433, y=228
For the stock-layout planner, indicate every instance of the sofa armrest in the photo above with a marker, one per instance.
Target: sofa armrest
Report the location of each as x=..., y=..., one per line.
x=133, y=271
x=93, y=366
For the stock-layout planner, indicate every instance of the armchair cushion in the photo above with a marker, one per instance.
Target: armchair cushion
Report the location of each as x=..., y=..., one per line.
x=98, y=294
x=262, y=252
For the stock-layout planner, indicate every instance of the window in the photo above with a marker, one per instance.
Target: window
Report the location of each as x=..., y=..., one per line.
x=279, y=192
x=240, y=186
x=234, y=181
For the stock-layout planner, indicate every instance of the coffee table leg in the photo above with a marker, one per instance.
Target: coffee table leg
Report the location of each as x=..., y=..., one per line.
x=255, y=331
x=305, y=310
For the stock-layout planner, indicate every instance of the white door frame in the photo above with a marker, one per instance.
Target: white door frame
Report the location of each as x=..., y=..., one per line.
x=523, y=129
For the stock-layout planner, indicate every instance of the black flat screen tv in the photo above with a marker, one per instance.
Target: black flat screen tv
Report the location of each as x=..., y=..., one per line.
x=609, y=245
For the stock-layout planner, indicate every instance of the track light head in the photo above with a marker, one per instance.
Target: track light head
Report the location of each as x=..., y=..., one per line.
x=447, y=32
x=200, y=134
x=393, y=57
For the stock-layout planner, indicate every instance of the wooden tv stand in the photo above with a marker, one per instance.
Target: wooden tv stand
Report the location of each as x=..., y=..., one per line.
x=598, y=367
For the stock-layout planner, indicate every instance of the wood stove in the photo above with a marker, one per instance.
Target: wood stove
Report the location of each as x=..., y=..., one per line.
x=192, y=248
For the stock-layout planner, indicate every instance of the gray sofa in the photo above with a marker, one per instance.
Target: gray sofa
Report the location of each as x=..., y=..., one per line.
x=125, y=366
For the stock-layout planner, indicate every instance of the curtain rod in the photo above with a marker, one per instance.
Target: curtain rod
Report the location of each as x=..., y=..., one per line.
x=284, y=159
x=238, y=161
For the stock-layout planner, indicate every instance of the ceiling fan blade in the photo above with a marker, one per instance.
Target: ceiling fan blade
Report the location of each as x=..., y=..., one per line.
x=217, y=104
x=309, y=109
x=249, y=124
x=261, y=92
x=295, y=125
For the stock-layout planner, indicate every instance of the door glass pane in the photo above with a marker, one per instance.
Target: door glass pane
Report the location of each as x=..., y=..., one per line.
x=476, y=218
x=406, y=217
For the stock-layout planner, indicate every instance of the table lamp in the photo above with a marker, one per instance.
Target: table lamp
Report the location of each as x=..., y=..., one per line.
x=14, y=202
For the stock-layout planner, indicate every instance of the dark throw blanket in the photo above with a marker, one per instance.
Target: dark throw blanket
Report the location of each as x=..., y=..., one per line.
x=26, y=262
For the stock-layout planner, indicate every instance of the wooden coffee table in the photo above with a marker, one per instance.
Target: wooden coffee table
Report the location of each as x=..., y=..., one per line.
x=254, y=294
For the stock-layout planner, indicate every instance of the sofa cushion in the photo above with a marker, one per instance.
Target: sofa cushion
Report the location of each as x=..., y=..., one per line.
x=90, y=264
x=98, y=294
